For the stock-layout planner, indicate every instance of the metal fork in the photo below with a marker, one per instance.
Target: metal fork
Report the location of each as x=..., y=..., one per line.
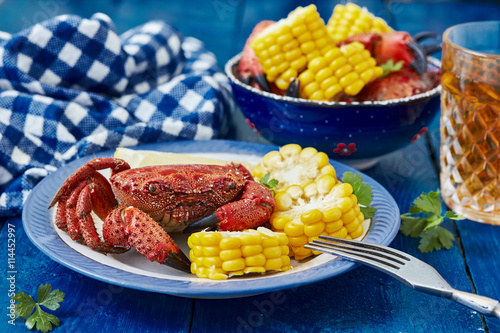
x=409, y=270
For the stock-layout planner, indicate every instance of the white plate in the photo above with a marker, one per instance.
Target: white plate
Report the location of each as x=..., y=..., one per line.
x=135, y=271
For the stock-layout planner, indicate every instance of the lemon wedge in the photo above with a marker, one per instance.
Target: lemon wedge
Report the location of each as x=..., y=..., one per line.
x=141, y=158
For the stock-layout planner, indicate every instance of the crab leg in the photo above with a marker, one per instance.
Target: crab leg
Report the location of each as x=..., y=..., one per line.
x=88, y=171
x=131, y=227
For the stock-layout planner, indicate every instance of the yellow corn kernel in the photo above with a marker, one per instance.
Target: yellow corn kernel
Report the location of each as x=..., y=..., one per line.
x=272, y=158
x=210, y=239
x=197, y=250
x=341, y=233
x=217, y=276
x=230, y=254
x=344, y=204
x=210, y=251
x=282, y=238
x=293, y=229
x=250, y=239
x=251, y=250
x=283, y=201
x=272, y=252
x=270, y=242
x=233, y=265
x=332, y=227
x=202, y=272
x=290, y=150
x=315, y=229
x=230, y=243
x=358, y=232
x=349, y=216
x=256, y=260
x=325, y=184
x=279, y=222
x=295, y=191
x=212, y=262
x=311, y=217
x=194, y=239
x=306, y=77
x=285, y=260
x=298, y=241
x=248, y=270
x=301, y=251
x=273, y=264
x=332, y=214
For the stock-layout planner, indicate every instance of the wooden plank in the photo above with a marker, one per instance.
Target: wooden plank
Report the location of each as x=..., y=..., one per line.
x=89, y=305
x=363, y=300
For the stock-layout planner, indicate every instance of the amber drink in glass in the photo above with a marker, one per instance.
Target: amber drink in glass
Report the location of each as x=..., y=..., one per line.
x=470, y=120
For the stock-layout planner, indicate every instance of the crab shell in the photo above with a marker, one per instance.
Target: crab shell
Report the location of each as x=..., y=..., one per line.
x=175, y=195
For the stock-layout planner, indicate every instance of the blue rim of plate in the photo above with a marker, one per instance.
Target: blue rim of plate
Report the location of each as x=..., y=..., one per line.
x=37, y=224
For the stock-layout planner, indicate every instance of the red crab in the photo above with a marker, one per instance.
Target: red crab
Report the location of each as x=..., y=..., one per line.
x=397, y=46
x=400, y=84
x=139, y=206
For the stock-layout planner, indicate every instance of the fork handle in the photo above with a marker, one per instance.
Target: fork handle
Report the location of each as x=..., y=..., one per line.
x=484, y=305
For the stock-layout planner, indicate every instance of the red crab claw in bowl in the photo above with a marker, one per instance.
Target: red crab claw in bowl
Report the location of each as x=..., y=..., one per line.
x=139, y=207
x=397, y=46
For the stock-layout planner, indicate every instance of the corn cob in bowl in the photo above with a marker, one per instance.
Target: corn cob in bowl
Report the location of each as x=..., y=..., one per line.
x=300, y=48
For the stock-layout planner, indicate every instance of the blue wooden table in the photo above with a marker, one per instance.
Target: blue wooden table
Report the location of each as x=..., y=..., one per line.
x=362, y=300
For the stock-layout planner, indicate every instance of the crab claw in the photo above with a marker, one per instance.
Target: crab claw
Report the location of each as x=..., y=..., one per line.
x=131, y=227
x=293, y=88
x=262, y=82
x=419, y=36
x=419, y=62
x=201, y=224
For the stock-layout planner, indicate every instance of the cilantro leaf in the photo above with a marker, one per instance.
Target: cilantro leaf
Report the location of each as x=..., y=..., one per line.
x=41, y=319
x=390, y=67
x=426, y=226
x=270, y=183
x=362, y=191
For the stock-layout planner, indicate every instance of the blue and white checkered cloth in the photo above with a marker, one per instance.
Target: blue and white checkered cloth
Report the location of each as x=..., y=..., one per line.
x=70, y=87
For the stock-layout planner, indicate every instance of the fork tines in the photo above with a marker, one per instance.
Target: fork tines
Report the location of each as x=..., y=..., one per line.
x=373, y=255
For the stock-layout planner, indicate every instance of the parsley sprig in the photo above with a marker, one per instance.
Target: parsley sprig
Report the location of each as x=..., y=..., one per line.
x=49, y=299
x=428, y=207
x=270, y=183
x=390, y=67
x=362, y=191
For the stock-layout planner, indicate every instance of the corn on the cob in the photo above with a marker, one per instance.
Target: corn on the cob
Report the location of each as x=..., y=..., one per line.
x=309, y=199
x=219, y=255
x=285, y=47
x=349, y=20
x=348, y=69
x=292, y=166
x=320, y=208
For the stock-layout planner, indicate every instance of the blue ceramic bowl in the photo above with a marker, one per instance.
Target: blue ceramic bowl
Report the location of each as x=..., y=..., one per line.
x=354, y=133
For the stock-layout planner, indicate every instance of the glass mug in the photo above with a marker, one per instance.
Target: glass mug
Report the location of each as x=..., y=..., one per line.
x=470, y=120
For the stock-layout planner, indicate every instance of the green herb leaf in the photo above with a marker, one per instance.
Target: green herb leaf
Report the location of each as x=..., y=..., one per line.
x=26, y=304
x=41, y=319
x=390, y=67
x=427, y=224
x=270, y=183
x=362, y=191
x=412, y=226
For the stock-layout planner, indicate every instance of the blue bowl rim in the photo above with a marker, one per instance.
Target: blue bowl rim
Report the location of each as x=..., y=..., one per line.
x=299, y=101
